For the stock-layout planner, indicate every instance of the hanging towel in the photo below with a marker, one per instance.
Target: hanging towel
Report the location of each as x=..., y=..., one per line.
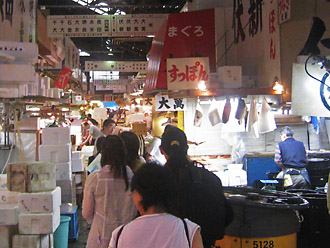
x=253, y=119
x=213, y=113
x=198, y=115
x=316, y=124
x=226, y=111
x=241, y=110
x=266, y=119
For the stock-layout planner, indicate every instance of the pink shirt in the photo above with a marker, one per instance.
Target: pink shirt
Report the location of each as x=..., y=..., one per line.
x=106, y=205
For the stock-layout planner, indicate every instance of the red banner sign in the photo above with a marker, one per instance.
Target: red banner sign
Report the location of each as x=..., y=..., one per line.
x=63, y=78
x=190, y=34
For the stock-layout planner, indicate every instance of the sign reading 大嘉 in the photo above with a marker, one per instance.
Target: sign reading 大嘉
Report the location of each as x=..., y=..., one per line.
x=164, y=103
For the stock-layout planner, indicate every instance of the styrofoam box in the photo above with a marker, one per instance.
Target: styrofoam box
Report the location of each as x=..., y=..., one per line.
x=8, y=73
x=230, y=76
x=31, y=123
x=56, y=135
x=43, y=202
x=33, y=241
x=8, y=214
x=66, y=190
x=6, y=235
x=23, y=52
x=8, y=197
x=63, y=171
x=76, y=155
x=44, y=223
x=3, y=182
x=31, y=177
x=55, y=153
x=87, y=150
x=77, y=165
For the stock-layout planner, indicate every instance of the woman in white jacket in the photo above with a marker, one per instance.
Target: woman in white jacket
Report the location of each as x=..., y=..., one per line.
x=107, y=201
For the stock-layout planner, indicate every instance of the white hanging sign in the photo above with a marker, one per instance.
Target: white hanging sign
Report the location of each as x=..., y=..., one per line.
x=187, y=73
x=164, y=103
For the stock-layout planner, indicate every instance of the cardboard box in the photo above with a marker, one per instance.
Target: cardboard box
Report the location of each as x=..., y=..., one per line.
x=44, y=223
x=56, y=135
x=31, y=177
x=43, y=202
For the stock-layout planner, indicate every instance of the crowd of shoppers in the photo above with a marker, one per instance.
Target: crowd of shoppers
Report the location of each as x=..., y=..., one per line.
x=135, y=204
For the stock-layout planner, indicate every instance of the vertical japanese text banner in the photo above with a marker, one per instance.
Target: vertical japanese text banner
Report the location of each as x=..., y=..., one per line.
x=187, y=73
x=164, y=103
x=18, y=20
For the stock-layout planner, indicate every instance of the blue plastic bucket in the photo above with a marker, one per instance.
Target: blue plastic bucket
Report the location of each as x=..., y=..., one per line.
x=61, y=235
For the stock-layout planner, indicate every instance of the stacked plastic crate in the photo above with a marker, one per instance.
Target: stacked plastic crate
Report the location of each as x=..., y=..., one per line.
x=37, y=210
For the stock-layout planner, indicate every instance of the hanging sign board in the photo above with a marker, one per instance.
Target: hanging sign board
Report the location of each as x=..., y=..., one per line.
x=18, y=20
x=63, y=78
x=122, y=66
x=187, y=73
x=284, y=10
x=103, y=26
x=309, y=96
x=164, y=103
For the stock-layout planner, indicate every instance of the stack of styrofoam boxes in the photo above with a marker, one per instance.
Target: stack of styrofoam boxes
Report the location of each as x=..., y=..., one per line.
x=18, y=76
x=44, y=85
x=56, y=148
x=79, y=172
x=8, y=213
x=39, y=203
x=78, y=160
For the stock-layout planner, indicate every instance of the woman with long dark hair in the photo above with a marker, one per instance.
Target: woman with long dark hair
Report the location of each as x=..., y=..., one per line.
x=107, y=201
x=200, y=195
x=132, y=143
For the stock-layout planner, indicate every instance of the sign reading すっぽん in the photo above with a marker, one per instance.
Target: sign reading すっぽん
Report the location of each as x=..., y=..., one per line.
x=187, y=73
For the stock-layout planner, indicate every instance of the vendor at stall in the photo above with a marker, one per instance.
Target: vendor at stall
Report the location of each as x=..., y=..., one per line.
x=291, y=156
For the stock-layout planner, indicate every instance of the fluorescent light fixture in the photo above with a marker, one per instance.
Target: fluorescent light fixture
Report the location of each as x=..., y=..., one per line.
x=151, y=36
x=110, y=54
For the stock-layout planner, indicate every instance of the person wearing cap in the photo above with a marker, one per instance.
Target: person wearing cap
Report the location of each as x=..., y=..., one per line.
x=217, y=212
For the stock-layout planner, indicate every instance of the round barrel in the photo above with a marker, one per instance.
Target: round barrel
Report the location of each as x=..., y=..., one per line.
x=314, y=230
x=262, y=219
